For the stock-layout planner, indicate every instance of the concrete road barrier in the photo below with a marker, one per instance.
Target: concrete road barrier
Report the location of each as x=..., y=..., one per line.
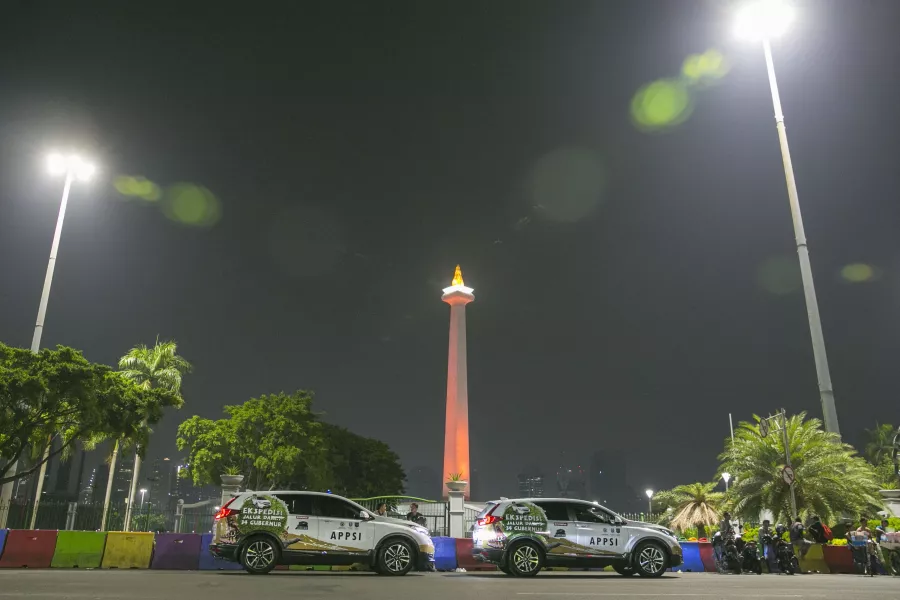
x=178, y=551
x=691, y=555
x=79, y=549
x=207, y=562
x=444, y=553
x=3, y=533
x=464, y=558
x=127, y=550
x=28, y=548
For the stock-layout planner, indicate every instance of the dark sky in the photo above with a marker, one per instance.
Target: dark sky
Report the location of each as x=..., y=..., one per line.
x=360, y=150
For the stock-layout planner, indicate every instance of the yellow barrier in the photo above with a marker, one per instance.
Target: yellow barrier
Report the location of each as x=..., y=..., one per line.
x=814, y=559
x=127, y=550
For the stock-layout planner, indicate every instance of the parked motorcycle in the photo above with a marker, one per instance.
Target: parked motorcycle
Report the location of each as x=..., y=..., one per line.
x=728, y=558
x=749, y=556
x=784, y=552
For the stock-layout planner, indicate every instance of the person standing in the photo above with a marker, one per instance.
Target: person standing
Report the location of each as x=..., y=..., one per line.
x=818, y=531
x=381, y=511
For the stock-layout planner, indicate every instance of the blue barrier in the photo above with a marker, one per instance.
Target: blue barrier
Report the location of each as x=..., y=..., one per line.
x=444, y=553
x=3, y=533
x=691, y=557
x=208, y=563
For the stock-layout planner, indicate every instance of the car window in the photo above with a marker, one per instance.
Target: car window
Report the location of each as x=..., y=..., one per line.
x=328, y=506
x=485, y=510
x=585, y=513
x=556, y=511
x=297, y=504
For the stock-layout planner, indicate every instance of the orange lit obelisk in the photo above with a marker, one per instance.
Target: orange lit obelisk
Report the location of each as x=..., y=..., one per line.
x=456, y=427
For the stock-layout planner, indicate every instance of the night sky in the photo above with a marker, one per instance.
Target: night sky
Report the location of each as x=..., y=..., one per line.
x=632, y=288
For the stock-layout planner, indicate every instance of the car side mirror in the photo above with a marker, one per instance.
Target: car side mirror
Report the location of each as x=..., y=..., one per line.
x=364, y=515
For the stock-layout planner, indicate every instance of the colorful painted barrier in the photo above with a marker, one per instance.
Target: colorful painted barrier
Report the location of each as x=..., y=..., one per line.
x=68, y=549
x=444, y=553
x=79, y=549
x=28, y=548
x=127, y=550
x=179, y=551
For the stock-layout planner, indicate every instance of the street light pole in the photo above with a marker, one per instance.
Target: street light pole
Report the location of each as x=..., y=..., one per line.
x=649, y=502
x=73, y=167
x=826, y=393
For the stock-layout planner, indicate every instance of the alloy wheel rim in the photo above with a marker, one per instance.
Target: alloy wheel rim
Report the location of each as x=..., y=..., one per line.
x=526, y=559
x=260, y=555
x=651, y=560
x=396, y=558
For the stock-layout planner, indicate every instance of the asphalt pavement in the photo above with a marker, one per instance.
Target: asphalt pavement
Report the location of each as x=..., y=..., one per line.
x=235, y=585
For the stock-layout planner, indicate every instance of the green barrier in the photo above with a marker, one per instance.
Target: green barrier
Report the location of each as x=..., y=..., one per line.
x=79, y=549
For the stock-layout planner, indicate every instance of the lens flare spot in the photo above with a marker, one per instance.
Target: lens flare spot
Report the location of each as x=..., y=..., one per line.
x=780, y=275
x=192, y=205
x=707, y=66
x=567, y=183
x=858, y=273
x=138, y=187
x=660, y=105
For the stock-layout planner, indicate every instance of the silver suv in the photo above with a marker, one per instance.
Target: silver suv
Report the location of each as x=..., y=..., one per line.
x=525, y=535
x=263, y=529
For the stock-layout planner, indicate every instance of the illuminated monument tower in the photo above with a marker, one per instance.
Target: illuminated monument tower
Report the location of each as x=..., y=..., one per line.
x=456, y=428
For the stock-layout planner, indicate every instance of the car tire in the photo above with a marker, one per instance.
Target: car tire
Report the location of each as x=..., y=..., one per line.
x=525, y=559
x=623, y=570
x=650, y=560
x=259, y=555
x=395, y=557
x=504, y=569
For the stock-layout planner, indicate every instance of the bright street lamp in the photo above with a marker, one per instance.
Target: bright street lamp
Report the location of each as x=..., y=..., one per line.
x=73, y=167
x=649, y=502
x=762, y=20
x=726, y=477
x=143, y=491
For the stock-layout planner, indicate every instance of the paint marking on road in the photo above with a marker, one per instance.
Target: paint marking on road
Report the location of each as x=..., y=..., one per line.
x=658, y=595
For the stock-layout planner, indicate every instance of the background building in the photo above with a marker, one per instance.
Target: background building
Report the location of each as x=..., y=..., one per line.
x=531, y=483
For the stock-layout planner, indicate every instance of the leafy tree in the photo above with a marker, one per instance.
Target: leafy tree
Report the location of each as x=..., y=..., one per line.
x=361, y=467
x=59, y=395
x=695, y=505
x=880, y=442
x=156, y=367
x=275, y=441
x=830, y=479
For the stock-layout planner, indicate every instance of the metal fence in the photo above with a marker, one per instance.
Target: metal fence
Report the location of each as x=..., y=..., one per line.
x=81, y=516
x=436, y=514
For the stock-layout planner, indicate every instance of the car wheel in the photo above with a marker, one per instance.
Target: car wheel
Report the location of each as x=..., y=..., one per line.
x=395, y=558
x=623, y=570
x=504, y=569
x=650, y=560
x=259, y=555
x=525, y=559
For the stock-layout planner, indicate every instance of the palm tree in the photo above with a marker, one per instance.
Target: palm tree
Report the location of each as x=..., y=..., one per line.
x=880, y=442
x=159, y=366
x=693, y=505
x=830, y=478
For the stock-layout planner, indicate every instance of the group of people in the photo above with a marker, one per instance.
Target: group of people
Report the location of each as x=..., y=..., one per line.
x=413, y=515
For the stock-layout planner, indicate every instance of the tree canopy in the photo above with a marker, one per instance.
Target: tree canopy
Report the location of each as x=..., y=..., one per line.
x=60, y=394
x=277, y=441
x=830, y=478
x=695, y=505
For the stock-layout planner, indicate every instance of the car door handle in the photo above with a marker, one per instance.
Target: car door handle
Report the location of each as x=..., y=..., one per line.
x=580, y=528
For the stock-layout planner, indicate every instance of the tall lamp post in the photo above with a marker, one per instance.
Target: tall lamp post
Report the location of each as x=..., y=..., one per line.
x=649, y=502
x=73, y=167
x=762, y=20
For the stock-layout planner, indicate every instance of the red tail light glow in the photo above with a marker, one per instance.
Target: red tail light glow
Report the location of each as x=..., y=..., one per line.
x=225, y=512
x=489, y=518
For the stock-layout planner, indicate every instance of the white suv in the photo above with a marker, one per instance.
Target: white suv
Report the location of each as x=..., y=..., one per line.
x=264, y=529
x=523, y=536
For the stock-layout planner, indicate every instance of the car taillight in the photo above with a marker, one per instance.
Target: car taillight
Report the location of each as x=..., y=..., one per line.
x=489, y=518
x=225, y=511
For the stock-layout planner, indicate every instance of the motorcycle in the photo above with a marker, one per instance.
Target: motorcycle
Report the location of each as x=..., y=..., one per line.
x=784, y=552
x=726, y=553
x=749, y=556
